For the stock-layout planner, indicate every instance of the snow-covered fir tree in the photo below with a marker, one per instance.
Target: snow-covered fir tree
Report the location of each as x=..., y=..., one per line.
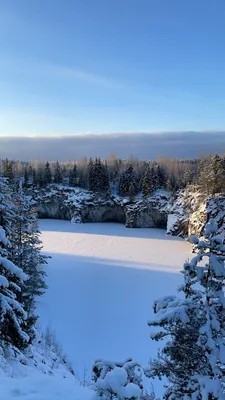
x=13, y=317
x=26, y=254
x=7, y=208
x=193, y=358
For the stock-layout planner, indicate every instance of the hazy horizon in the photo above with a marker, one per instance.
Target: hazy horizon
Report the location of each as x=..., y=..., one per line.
x=141, y=145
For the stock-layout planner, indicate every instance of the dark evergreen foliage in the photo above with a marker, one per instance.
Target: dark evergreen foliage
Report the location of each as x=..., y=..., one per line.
x=47, y=178
x=57, y=173
x=73, y=176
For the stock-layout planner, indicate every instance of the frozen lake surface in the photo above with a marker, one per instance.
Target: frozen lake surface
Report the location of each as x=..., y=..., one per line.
x=103, y=279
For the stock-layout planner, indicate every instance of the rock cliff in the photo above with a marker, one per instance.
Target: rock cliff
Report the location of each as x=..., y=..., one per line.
x=184, y=215
x=79, y=205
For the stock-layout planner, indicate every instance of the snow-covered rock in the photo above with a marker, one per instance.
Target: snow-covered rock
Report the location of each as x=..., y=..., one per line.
x=190, y=211
x=150, y=213
x=184, y=215
x=79, y=205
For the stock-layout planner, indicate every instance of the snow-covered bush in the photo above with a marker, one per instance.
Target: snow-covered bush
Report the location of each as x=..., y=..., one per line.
x=120, y=381
x=193, y=357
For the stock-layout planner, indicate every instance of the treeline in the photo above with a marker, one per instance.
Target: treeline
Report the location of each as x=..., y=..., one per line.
x=123, y=177
x=22, y=276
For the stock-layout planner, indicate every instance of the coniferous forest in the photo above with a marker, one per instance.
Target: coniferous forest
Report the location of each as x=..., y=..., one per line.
x=132, y=175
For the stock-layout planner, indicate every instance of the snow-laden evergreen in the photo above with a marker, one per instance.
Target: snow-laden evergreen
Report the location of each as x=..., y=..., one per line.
x=119, y=381
x=193, y=357
x=26, y=254
x=13, y=317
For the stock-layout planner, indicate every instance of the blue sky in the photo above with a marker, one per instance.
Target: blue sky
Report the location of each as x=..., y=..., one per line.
x=71, y=66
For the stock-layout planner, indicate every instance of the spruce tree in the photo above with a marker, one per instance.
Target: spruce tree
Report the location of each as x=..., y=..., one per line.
x=212, y=175
x=8, y=171
x=91, y=175
x=104, y=184
x=26, y=177
x=161, y=177
x=12, y=314
x=193, y=356
x=13, y=317
x=125, y=181
x=40, y=179
x=73, y=176
x=7, y=208
x=132, y=193
x=146, y=184
x=47, y=179
x=34, y=178
x=26, y=254
x=57, y=173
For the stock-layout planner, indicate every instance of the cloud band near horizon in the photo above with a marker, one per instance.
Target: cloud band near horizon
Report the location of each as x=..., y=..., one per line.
x=142, y=145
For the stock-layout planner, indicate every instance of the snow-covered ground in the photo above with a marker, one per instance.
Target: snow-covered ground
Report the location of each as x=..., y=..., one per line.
x=37, y=386
x=103, y=279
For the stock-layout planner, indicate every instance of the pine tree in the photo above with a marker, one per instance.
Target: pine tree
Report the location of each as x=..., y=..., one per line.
x=193, y=357
x=57, y=173
x=73, y=176
x=47, y=179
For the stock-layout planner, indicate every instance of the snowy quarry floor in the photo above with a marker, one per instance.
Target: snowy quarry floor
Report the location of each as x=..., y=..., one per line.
x=102, y=281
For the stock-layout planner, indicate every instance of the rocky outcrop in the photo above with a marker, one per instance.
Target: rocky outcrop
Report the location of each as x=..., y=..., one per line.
x=187, y=213
x=79, y=205
x=52, y=205
x=190, y=211
x=106, y=212
x=215, y=208
x=147, y=214
x=184, y=215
